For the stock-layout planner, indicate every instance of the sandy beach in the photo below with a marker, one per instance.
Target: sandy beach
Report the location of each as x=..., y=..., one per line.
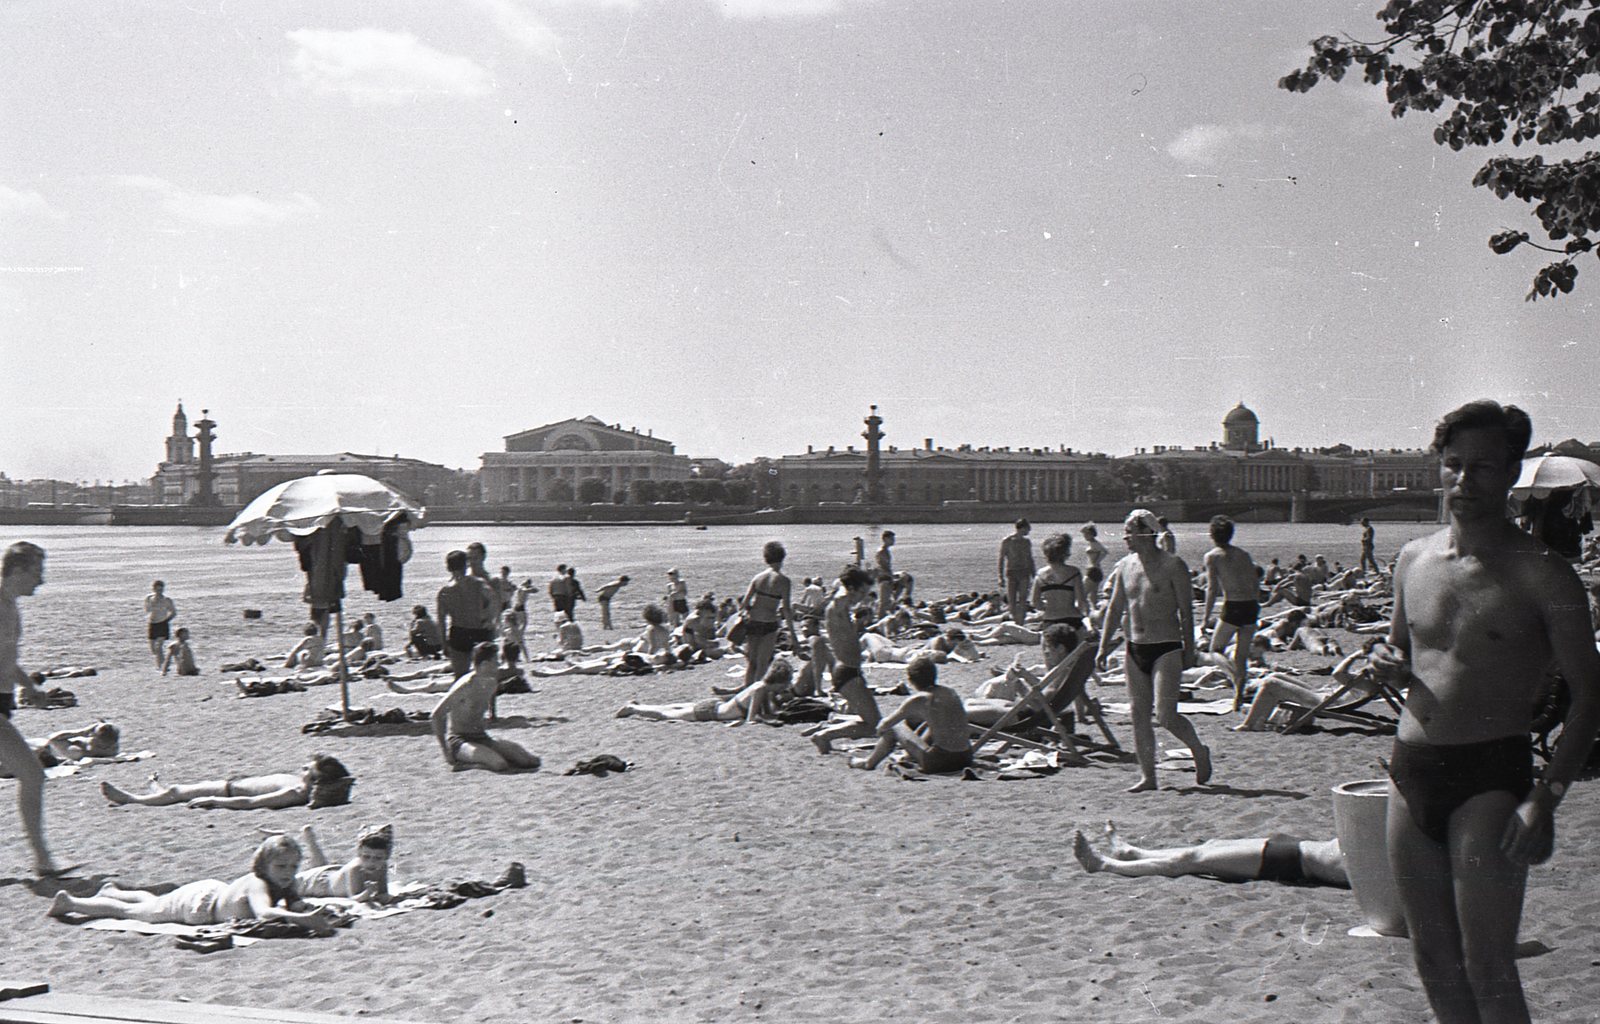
x=737, y=875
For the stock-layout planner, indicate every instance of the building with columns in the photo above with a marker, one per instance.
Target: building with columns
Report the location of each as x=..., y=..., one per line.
x=549, y=463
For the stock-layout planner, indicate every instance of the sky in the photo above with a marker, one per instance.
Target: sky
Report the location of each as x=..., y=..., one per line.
x=418, y=227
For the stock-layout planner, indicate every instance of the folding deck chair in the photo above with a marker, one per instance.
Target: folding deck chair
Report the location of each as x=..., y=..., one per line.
x=1040, y=711
x=1350, y=708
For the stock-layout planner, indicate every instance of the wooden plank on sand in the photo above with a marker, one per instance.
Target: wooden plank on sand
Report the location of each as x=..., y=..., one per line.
x=61, y=1008
x=13, y=989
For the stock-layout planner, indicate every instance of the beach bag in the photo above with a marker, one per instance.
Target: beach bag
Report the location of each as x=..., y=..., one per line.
x=736, y=631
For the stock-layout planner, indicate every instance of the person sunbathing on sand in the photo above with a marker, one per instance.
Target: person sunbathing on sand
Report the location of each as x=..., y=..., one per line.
x=324, y=782
x=951, y=645
x=1276, y=858
x=754, y=703
x=102, y=739
x=1315, y=641
x=364, y=878
x=932, y=710
x=1355, y=671
x=999, y=694
x=266, y=893
x=310, y=652
x=462, y=716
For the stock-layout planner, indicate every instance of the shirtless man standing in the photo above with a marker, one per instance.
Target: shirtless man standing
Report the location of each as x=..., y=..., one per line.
x=1094, y=553
x=461, y=720
x=1153, y=589
x=1368, y=554
x=855, y=586
x=159, y=612
x=1482, y=613
x=937, y=709
x=884, y=562
x=466, y=612
x=1016, y=570
x=1231, y=573
x=21, y=573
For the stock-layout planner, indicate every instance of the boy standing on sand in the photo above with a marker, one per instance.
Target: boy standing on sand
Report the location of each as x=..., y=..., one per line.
x=855, y=586
x=1482, y=613
x=1232, y=575
x=158, y=614
x=1152, y=590
x=21, y=573
x=1016, y=570
x=466, y=612
x=884, y=562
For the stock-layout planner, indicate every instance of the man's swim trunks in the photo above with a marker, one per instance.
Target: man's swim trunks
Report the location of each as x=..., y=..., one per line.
x=1241, y=613
x=1436, y=780
x=755, y=627
x=680, y=605
x=1146, y=655
x=159, y=630
x=842, y=674
x=465, y=638
x=1280, y=860
x=706, y=710
x=1094, y=575
x=1075, y=621
x=456, y=740
x=8, y=703
x=938, y=761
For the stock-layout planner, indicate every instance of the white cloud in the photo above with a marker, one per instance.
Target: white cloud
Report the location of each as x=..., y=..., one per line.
x=371, y=65
x=521, y=26
x=1205, y=144
x=236, y=211
x=17, y=203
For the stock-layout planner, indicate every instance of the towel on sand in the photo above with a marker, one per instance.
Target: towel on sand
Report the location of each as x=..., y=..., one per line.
x=74, y=767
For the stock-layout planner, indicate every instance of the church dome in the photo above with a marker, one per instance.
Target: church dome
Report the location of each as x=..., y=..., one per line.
x=1239, y=415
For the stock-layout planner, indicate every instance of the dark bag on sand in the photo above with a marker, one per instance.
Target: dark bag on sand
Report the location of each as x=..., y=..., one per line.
x=736, y=631
x=599, y=765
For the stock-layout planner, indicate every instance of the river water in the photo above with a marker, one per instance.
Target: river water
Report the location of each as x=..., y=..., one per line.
x=89, y=611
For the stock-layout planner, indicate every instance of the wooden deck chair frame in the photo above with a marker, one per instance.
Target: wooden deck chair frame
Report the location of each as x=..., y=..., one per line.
x=1062, y=686
x=1350, y=712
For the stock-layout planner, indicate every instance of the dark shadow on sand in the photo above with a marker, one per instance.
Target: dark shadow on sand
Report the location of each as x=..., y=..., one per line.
x=1222, y=789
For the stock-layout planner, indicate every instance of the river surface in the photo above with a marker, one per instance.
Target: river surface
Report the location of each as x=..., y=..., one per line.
x=89, y=610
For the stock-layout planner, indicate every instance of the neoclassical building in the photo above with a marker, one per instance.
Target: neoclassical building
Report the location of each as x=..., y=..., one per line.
x=549, y=463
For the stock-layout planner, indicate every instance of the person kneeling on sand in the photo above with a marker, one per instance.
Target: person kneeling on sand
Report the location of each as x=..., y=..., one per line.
x=754, y=703
x=935, y=710
x=365, y=877
x=462, y=716
x=1276, y=858
x=266, y=893
x=855, y=586
x=324, y=782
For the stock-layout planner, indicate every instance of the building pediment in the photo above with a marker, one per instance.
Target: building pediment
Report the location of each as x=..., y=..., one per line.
x=585, y=434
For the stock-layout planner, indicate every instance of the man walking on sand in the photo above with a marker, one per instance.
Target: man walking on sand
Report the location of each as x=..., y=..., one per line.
x=1016, y=570
x=1369, y=555
x=1483, y=613
x=21, y=573
x=1152, y=590
x=1231, y=574
x=159, y=611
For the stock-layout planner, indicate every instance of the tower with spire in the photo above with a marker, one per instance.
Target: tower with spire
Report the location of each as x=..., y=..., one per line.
x=180, y=446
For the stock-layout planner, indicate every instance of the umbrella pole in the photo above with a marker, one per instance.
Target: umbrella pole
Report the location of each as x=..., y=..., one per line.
x=344, y=679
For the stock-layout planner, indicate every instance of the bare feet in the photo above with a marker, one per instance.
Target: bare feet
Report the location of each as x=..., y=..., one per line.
x=114, y=794
x=1245, y=726
x=1119, y=849
x=862, y=762
x=1202, y=763
x=1087, y=855
x=625, y=711
x=823, y=744
x=1144, y=786
x=61, y=905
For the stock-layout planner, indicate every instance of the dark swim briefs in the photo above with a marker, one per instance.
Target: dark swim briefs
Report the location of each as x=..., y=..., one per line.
x=1145, y=656
x=938, y=761
x=160, y=630
x=842, y=674
x=1280, y=860
x=1241, y=613
x=8, y=703
x=1435, y=780
x=756, y=627
x=680, y=605
x=465, y=638
x=1094, y=575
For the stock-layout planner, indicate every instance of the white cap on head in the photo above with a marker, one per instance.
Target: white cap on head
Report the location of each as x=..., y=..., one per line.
x=1143, y=520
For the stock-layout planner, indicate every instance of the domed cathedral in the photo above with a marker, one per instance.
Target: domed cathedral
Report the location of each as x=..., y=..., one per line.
x=1240, y=430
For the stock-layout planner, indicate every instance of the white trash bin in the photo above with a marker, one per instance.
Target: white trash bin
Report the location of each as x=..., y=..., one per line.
x=1359, y=813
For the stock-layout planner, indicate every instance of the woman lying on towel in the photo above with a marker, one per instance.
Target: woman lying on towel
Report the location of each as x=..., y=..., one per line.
x=1278, y=858
x=365, y=877
x=323, y=782
x=267, y=892
x=754, y=703
x=98, y=740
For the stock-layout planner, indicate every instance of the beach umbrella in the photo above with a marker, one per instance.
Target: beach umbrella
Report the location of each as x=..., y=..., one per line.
x=317, y=511
x=1544, y=474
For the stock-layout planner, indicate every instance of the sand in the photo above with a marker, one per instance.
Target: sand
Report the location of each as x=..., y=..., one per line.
x=736, y=875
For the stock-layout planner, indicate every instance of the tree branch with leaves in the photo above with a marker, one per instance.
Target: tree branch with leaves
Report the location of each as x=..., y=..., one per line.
x=1527, y=68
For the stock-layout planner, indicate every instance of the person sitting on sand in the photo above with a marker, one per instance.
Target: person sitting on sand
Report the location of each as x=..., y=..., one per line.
x=943, y=744
x=462, y=716
x=754, y=703
x=1276, y=858
x=999, y=694
x=1355, y=672
x=310, y=652
x=423, y=639
x=569, y=635
x=371, y=633
x=180, y=655
x=323, y=782
x=364, y=878
x=266, y=893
